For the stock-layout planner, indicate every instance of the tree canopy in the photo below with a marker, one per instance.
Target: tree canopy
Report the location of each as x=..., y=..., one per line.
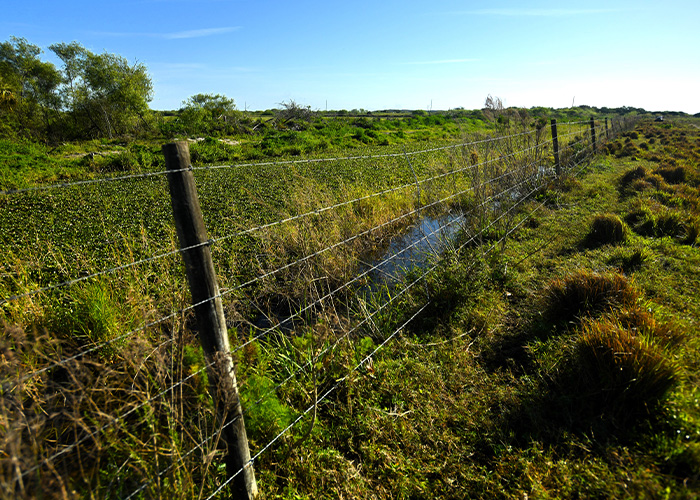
x=203, y=113
x=92, y=95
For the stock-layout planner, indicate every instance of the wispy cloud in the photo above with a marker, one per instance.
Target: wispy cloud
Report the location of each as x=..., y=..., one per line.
x=441, y=61
x=538, y=12
x=176, y=35
x=200, y=33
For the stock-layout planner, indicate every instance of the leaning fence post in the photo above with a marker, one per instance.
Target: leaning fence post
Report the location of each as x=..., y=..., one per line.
x=209, y=313
x=593, y=144
x=555, y=146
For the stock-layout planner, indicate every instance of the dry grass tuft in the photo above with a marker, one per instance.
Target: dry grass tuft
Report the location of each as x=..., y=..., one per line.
x=606, y=229
x=587, y=293
x=621, y=375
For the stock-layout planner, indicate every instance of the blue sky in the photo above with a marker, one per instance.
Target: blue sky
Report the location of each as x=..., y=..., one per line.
x=380, y=54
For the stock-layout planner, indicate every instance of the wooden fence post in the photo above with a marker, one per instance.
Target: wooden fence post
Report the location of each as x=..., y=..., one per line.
x=593, y=144
x=209, y=313
x=555, y=146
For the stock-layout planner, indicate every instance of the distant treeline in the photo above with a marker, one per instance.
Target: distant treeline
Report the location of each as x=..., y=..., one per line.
x=104, y=96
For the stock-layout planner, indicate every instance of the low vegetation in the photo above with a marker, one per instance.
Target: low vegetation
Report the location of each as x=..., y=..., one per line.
x=555, y=354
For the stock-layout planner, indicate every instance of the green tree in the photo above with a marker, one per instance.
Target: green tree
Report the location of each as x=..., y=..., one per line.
x=30, y=101
x=103, y=93
x=207, y=114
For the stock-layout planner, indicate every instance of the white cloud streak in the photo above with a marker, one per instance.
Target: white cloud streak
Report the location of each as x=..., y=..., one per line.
x=199, y=33
x=538, y=12
x=177, y=35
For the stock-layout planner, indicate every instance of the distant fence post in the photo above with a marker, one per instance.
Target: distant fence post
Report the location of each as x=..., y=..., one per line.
x=593, y=144
x=555, y=147
x=607, y=132
x=209, y=313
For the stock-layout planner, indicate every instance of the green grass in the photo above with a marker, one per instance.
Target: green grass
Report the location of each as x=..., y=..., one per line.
x=552, y=367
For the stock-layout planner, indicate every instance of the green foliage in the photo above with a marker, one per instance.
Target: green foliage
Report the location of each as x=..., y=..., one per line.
x=104, y=94
x=194, y=366
x=92, y=316
x=29, y=90
x=267, y=415
x=208, y=114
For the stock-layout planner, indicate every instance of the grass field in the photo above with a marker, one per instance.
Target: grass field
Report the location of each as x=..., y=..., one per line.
x=562, y=364
x=565, y=366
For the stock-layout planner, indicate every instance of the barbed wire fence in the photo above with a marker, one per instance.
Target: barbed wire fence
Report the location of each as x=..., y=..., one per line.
x=104, y=385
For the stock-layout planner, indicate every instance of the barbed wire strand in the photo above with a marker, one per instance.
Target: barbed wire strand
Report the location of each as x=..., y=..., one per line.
x=269, y=444
x=102, y=180
x=328, y=349
x=367, y=318
x=212, y=241
x=117, y=419
x=252, y=281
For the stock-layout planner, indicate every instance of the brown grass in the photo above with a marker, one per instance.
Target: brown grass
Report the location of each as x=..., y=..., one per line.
x=624, y=375
x=587, y=293
x=606, y=229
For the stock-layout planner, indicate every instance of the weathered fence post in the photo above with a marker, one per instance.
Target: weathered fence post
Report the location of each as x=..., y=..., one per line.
x=593, y=144
x=209, y=314
x=555, y=147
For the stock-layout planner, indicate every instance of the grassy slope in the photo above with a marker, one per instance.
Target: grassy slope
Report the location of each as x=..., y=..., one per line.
x=492, y=399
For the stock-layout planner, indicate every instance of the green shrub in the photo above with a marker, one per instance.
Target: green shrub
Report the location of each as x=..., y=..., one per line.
x=265, y=414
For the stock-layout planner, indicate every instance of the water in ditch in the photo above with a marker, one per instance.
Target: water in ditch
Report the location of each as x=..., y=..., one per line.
x=415, y=248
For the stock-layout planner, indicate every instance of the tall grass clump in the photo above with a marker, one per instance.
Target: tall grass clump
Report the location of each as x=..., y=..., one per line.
x=606, y=229
x=586, y=293
x=673, y=175
x=615, y=374
x=632, y=175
